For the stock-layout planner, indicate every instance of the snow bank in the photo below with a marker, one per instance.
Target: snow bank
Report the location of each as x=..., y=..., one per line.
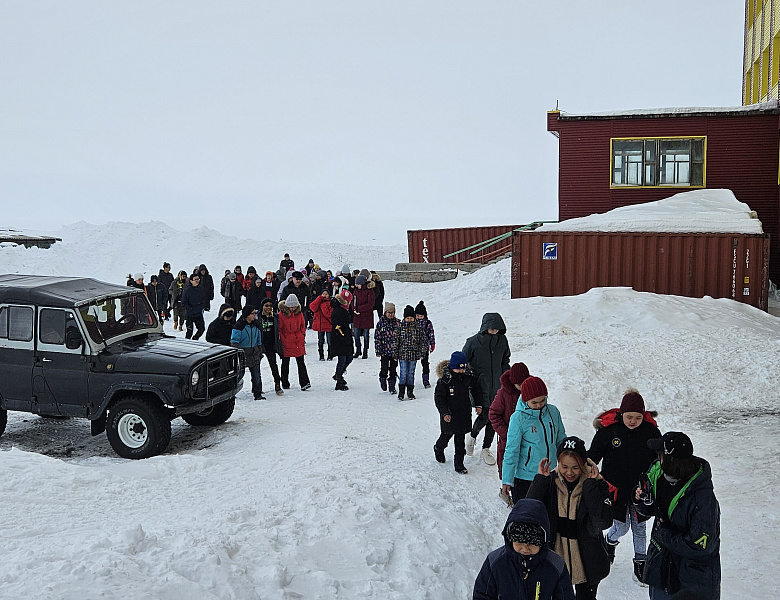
x=697, y=211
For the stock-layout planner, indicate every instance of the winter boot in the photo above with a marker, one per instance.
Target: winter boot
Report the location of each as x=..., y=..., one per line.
x=322, y=353
x=278, y=387
x=439, y=454
x=410, y=392
x=401, y=390
x=471, y=441
x=426, y=380
x=391, y=386
x=610, y=548
x=365, y=352
x=357, y=354
x=639, y=571
x=341, y=385
x=383, y=383
x=488, y=457
x=459, y=468
x=260, y=396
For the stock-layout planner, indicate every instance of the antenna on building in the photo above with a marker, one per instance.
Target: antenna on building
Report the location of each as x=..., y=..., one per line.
x=556, y=105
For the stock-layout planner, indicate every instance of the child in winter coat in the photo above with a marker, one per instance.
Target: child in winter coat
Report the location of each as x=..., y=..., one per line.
x=501, y=410
x=421, y=314
x=684, y=553
x=321, y=311
x=524, y=568
x=577, y=501
x=341, y=336
x=363, y=319
x=386, y=330
x=621, y=441
x=453, y=401
x=292, y=332
x=535, y=430
x=409, y=346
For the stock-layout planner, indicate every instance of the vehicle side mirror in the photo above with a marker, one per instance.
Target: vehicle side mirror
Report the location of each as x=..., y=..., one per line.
x=73, y=339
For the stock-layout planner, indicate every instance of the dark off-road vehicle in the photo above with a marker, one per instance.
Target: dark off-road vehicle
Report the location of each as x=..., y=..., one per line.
x=83, y=348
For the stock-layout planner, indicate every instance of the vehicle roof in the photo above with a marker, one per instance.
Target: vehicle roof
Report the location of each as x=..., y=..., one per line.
x=61, y=292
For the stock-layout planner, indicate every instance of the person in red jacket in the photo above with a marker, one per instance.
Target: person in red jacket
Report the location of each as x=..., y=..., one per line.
x=501, y=410
x=321, y=312
x=292, y=332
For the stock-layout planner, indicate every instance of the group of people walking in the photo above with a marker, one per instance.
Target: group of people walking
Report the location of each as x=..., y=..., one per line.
x=561, y=500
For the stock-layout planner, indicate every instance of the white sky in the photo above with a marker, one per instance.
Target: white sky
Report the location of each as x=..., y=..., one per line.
x=338, y=120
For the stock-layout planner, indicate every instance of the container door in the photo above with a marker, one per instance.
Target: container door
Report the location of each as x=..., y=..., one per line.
x=16, y=357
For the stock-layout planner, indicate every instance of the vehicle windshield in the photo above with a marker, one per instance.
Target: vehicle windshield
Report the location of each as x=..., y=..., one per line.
x=105, y=319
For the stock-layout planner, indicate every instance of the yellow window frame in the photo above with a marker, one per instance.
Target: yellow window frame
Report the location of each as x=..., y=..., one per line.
x=703, y=185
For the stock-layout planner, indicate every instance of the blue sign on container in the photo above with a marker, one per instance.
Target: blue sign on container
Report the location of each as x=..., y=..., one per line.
x=550, y=250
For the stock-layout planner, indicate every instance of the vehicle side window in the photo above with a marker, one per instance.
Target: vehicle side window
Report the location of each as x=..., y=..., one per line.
x=52, y=326
x=16, y=323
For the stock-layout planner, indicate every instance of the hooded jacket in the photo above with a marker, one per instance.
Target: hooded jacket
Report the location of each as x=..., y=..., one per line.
x=625, y=454
x=176, y=289
x=321, y=314
x=532, y=435
x=379, y=292
x=501, y=410
x=503, y=574
x=220, y=331
x=158, y=296
x=207, y=283
x=364, y=307
x=684, y=549
x=341, y=341
x=248, y=337
x=292, y=331
x=488, y=355
x=452, y=398
x=410, y=342
x=194, y=300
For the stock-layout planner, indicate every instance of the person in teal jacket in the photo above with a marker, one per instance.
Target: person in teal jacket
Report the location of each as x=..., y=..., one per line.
x=535, y=430
x=248, y=335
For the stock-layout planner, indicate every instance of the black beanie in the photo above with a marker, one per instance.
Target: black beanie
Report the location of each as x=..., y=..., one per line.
x=420, y=309
x=408, y=311
x=247, y=310
x=526, y=533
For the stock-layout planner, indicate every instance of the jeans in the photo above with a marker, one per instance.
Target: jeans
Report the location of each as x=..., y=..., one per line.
x=342, y=364
x=303, y=375
x=638, y=530
x=407, y=368
x=365, y=334
x=322, y=337
x=257, y=380
x=197, y=322
x=388, y=367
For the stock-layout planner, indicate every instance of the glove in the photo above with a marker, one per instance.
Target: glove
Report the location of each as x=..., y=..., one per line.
x=433, y=347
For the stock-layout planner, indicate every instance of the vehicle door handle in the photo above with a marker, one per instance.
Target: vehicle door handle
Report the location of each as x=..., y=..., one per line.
x=45, y=360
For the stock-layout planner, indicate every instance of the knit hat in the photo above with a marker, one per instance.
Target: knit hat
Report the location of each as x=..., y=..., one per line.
x=153, y=278
x=322, y=274
x=292, y=301
x=251, y=270
x=265, y=301
x=267, y=273
x=632, y=402
x=345, y=270
x=420, y=309
x=232, y=276
x=408, y=311
x=518, y=373
x=389, y=307
x=673, y=443
x=361, y=280
x=573, y=444
x=531, y=388
x=458, y=360
x=365, y=273
x=247, y=310
x=138, y=276
x=344, y=298
x=526, y=533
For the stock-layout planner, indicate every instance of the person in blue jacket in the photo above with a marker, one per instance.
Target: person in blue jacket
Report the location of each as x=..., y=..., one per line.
x=524, y=568
x=535, y=430
x=248, y=335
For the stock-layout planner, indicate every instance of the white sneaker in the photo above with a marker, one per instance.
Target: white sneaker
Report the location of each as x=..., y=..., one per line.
x=488, y=457
x=470, y=443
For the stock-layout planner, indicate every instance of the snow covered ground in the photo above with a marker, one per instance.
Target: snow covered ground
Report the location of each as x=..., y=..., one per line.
x=326, y=494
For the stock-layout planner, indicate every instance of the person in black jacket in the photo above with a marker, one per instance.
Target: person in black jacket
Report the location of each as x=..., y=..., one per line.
x=453, y=401
x=341, y=341
x=207, y=284
x=158, y=296
x=193, y=301
x=272, y=345
x=287, y=263
x=579, y=508
x=621, y=441
x=233, y=290
x=221, y=328
x=524, y=568
x=165, y=277
x=684, y=552
x=256, y=292
x=379, y=294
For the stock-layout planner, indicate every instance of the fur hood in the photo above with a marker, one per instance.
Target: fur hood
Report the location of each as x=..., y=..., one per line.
x=286, y=311
x=612, y=416
x=375, y=277
x=443, y=370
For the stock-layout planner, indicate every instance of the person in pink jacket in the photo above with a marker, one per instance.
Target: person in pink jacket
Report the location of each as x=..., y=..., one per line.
x=292, y=333
x=501, y=410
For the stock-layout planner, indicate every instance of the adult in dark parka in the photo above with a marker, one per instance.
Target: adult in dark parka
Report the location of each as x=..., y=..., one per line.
x=508, y=574
x=221, y=328
x=488, y=354
x=207, y=283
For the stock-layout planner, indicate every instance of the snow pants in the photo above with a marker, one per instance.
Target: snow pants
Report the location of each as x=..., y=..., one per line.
x=388, y=368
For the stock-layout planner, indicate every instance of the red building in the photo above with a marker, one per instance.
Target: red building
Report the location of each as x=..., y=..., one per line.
x=608, y=160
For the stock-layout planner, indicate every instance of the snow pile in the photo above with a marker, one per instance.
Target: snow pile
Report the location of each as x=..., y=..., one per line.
x=697, y=211
x=327, y=494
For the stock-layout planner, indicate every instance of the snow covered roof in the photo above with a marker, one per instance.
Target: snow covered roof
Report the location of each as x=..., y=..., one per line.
x=697, y=211
x=770, y=107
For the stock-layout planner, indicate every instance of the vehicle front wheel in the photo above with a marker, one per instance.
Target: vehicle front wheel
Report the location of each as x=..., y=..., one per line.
x=216, y=415
x=3, y=420
x=138, y=427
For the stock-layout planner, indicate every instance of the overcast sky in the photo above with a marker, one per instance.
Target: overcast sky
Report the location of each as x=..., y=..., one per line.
x=332, y=120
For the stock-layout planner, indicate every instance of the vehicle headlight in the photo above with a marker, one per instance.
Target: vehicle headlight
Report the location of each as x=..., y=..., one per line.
x=194, y=379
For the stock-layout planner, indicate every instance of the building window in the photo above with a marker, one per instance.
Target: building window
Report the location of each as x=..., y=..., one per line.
x=654, y=162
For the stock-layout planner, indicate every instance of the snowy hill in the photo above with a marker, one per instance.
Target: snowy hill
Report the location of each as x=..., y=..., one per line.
x=326, y=494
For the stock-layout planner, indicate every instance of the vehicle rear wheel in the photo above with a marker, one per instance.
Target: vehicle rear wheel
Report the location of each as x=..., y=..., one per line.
x=138, y=427
x=3, y=420
x=216, y=415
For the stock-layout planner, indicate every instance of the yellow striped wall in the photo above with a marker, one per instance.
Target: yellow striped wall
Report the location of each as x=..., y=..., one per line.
x=761, y=63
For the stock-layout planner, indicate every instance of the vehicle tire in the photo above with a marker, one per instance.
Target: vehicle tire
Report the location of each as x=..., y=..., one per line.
x=216, y=415
x=3, y=420
x=138, y=427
